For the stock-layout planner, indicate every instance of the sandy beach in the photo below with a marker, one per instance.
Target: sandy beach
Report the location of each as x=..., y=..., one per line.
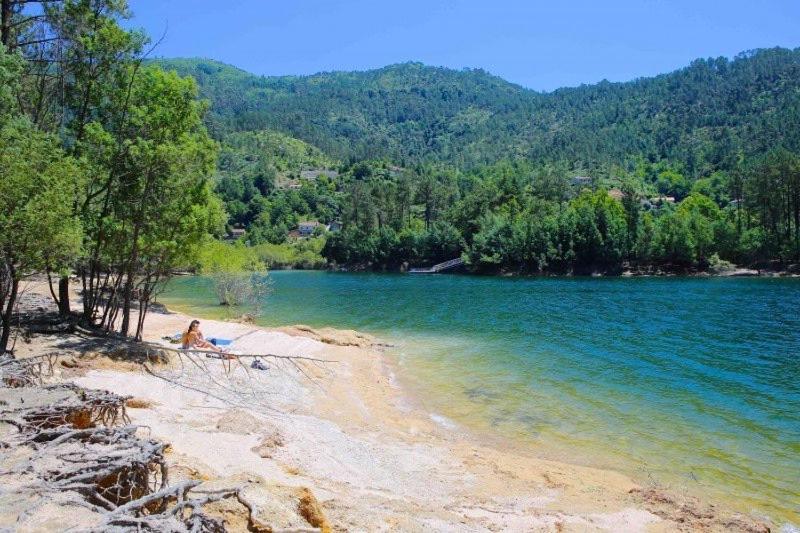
x=343, y=432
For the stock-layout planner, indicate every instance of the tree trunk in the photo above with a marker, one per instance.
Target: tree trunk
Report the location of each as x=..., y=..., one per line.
x=6, y=316
x=797, y=226
x=144, y=304
x=63, y=296
x=127, y=293
x=5, y=23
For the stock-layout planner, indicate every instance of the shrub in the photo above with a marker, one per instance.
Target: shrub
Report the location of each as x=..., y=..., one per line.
x=235, y=289
x=304, y=254
x=239, y=275
x=717, y=265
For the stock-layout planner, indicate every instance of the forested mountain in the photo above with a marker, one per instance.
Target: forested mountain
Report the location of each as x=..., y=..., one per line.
x=258, y=177
x=702, y=116
x=408, y=112
x=682, y=170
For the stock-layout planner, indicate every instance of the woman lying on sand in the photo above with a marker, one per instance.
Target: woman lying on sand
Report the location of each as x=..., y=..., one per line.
x=193, y=338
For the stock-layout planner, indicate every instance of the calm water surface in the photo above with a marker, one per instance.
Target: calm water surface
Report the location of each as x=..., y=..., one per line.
x=690, y=383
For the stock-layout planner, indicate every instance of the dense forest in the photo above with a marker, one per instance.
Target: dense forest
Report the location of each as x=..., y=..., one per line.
x=702, y=116
x=687, y=170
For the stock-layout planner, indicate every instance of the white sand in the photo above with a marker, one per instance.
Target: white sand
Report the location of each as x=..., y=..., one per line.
x=373, y=466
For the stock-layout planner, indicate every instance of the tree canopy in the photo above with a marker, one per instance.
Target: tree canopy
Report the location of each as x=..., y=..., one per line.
x=105, y=162
x=701, y=116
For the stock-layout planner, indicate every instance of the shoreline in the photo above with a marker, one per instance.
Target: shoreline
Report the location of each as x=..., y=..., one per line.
x=791, y=270
x=735, y=273
x=374, y=457
x=452, y=431
x=419, y=384
x=641, y=475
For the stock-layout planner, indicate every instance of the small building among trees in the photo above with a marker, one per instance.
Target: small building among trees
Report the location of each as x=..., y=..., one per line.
x=306, y=228
x=316, y=173
x=616, y=194
x=235, y=234
x=660, y=200
x=581, y=181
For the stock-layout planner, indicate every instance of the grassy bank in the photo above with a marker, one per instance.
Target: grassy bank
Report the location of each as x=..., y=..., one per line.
x=301, y=254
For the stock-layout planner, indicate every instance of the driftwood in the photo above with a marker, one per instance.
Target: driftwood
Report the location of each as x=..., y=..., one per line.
x=80, y=442
x=234, y=356
x=26, y=372
x=227, y=377
x=82, y=449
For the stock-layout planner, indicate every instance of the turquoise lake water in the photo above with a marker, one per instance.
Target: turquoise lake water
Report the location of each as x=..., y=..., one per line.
x=691, y=383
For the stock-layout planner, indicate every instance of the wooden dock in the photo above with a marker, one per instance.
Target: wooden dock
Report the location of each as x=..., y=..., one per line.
x=441, y=267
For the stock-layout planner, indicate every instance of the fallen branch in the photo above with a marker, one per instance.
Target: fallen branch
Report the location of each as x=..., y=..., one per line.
x=237, y=356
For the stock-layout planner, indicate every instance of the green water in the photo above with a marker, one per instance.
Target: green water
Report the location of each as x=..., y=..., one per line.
x=690, y=383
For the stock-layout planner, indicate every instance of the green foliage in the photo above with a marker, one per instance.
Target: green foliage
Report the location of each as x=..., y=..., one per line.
x=270, y=148
x=222, y=257
x=390, y=112
x=239, y=274
x=73, y=71
x=702, y=130
x=128, y=177
x=717, y=186
x=492, y=163
x=700, y=117
x=38, y=231
x=159, y=196
x=218, y=256
x=152, y=206
x=718, y=265
x=674, y=242
x=302, y=254
x=507, y=218
x=253, y=171
x=10, y=68
x=599, y=232
x=588, y=233
x=672, y=183
x=771, y=197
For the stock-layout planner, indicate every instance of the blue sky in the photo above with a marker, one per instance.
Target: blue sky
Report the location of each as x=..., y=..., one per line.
x=539, y=44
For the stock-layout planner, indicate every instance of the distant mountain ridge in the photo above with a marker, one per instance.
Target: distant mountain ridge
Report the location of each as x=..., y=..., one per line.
x=702, y=116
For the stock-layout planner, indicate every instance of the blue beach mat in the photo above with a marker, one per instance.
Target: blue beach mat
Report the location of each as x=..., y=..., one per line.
x=217, y=341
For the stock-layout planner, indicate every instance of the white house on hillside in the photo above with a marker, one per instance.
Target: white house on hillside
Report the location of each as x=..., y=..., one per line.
x=306, y=228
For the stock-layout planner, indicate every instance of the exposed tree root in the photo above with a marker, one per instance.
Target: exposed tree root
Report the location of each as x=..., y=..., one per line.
x=77, y=445
x=74, y=408
x=26, y=372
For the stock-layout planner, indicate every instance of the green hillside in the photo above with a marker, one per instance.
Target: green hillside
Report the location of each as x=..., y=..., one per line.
x=701, y=116
x=277, y=151
x=702, y=164
x=254, y=167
